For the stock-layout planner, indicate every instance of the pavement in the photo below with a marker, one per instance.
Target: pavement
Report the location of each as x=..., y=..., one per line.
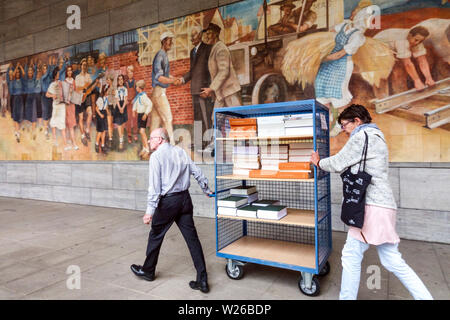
x=64, y=251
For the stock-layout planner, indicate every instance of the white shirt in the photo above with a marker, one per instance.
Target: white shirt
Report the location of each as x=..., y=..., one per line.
x=143, y=104
x=121, y=93
x=397, y=40
x=102, y=103
x=81, y=80
x=170, y=170
x=356, y=40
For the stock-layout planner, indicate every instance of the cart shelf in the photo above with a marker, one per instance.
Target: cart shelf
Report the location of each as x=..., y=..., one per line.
x=294, y=217
x=282, y=252
x=238, y=177
x=302, y=138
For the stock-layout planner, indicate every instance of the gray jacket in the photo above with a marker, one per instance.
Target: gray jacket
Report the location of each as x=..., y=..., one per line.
x=379, y=192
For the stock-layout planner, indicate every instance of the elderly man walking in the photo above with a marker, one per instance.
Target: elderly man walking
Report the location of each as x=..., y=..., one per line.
x=169, y=201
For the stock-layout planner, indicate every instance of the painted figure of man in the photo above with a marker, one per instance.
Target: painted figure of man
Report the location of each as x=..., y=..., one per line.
x=161, y=79
x=406, y=44
x=200, y=78
x=290, y=18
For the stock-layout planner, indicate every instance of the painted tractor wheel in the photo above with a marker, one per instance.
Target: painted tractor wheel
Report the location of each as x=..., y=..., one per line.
x=313, y=291
x=270, y=88
x=235, y=273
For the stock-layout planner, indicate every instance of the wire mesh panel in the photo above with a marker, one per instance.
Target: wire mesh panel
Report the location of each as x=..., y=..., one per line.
x=324, y=238
x=281, y=232
x=228, y=231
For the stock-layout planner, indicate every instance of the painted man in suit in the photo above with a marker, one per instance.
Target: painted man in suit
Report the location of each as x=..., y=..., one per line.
x=224, y=87
x=200, y=78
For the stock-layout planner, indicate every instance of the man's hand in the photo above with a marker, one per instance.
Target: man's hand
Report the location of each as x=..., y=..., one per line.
x=147, y=218
x=206, y=92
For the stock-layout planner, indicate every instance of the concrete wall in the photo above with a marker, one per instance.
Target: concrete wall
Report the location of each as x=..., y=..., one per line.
x=32, y=26
x=421, y=192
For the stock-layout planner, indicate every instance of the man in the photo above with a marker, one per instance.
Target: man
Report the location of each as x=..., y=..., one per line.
x=169, y=201
x=3, y=94
x=82, y=81
x=290, y=18
x=224, y=85
x=406, y=44
x=161, y=79
x=200, y=78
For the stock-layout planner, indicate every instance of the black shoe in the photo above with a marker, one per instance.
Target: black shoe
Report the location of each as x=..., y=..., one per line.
x=96, y=148
x=137, y=270
x=88, y=136
x=199, y=285
x=84, y=141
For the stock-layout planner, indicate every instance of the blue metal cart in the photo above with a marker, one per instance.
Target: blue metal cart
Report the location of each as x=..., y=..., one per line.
x=301, y=240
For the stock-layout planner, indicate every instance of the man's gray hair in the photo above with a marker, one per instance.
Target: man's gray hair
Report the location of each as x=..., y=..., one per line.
x=197, y=28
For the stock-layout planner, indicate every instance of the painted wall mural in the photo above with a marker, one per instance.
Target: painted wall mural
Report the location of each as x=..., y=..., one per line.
x=99, y=100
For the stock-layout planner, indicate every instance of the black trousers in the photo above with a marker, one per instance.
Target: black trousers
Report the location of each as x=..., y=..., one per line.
x=178, y=209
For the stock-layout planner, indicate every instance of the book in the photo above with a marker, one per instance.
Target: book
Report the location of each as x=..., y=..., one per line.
x=274, y=156
x=250, y=197
x=274, y=149
x=293, y=175
x=272, y=212
x=242, y=134
x=299, y=131
x=267, y=167
x=301, y=145
x=298, y=123
x=262, y=173
x=271, y=132
x=300, y=152
x=298, y=116
x=295, y=166
x=248, y=211
x=242, y=122
x=265, y=203
x=270, y=120
x=243, y=190
x=246, y=165
x=232, y=202
x=299, y=158
x=272, y=162
x=241, y=172
x=250, y=150
x=245, y=157
x=226, y=211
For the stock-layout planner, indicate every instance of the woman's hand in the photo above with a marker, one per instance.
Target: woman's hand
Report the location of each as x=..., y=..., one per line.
x=315, y=158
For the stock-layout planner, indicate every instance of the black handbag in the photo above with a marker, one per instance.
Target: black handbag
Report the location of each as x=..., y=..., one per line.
x=354, y=190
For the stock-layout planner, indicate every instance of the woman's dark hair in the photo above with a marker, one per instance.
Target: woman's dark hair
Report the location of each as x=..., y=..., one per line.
x=67, y=70
x=55, y=72
x=355, y=111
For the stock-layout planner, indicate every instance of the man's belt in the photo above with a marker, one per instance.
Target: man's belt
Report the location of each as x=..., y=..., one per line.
x=174, y=194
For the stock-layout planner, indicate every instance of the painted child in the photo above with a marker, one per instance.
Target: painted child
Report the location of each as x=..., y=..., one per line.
x=102, y=125
x=71, y=120
x=16, y=89
x=142, y=106
x=58, y=119
x=120, y=110
x=130, y=84
x=31, y=99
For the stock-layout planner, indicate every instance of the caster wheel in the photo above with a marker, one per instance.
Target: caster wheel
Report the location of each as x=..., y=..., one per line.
x=313, y=291
x=236, y=273
x=325, y=270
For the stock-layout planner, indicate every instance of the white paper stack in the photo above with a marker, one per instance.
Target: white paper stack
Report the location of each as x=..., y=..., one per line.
x=300, y=151
x=273, y=155
x=299, y=124
x=245, y=158
x=272, y=126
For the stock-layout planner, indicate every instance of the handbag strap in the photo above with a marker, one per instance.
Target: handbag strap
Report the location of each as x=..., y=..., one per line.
x=364, y=153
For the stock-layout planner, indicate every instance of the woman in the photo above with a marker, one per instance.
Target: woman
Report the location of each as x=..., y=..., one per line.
x=335, y=71
x=58, y=119
x=71, y=120
x=380, y=209
x=16, y=89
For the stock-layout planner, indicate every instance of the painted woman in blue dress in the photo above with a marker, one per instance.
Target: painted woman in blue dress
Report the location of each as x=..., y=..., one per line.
x=335, y=71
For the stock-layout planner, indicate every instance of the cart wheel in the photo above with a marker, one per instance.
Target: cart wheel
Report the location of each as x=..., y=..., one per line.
x=325, y=270
x=313, y=291
x=236, y=273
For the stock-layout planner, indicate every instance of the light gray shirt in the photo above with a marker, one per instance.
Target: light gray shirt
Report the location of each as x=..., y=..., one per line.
x=379, y=192
x=170, y=170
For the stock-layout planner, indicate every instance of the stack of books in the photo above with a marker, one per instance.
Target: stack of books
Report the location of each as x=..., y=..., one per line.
x=263, y=209
x=272, y=126
x=272, y=212
x=295, y=170
x=245, y=159
x=243, y=128
x=272, y=156
x=300, y=151
x=239, y=198
x=299, y=125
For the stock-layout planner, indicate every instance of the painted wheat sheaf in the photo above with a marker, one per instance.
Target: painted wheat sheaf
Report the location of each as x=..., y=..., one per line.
x=374, y=60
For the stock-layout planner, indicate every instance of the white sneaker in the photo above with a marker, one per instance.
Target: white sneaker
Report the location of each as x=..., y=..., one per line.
x=68, y=148
x=75, y=147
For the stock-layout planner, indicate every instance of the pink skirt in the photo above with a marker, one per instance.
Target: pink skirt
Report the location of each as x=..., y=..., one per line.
x=378, y=228
x=70, y=116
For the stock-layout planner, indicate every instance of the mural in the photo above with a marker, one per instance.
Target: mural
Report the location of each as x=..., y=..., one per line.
x=99, y=100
